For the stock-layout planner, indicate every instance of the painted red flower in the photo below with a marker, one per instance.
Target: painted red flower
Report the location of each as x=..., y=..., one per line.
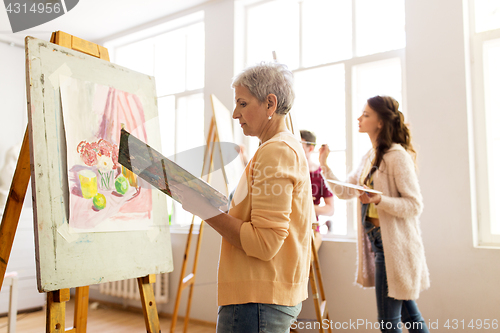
x=105, y=148
x=89, y=157
x=91, y=152
x=81, y=146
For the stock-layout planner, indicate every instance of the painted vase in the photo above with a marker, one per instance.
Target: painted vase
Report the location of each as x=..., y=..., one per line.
x=88, y=183
x=106, y=179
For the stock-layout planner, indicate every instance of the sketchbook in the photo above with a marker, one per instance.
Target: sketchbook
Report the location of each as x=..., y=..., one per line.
x=159, y=171
x=357, y=187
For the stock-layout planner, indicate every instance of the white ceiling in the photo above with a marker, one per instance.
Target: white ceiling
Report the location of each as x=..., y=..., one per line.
x=97, y=20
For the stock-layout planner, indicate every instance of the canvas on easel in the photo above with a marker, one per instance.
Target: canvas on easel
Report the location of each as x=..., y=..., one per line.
x=102, y=194
x=66, y=259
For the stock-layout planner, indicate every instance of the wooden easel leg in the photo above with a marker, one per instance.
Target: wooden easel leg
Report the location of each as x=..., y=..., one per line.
x=188, y=280
x=319, y=298
x=14, y=205
x=148, y=303
x=318, y=269
x=56, y=310
x=191, y=286
x=315, y=294
x=81, y=309
x=181, y=279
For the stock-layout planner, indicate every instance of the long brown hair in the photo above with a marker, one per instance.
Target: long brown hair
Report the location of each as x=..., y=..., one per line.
x=394, y=130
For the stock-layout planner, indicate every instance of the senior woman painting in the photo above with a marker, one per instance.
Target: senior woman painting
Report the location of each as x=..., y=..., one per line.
x=266, y=235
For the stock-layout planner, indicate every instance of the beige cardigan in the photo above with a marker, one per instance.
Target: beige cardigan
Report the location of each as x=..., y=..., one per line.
x=273, y=197
x=399, y=210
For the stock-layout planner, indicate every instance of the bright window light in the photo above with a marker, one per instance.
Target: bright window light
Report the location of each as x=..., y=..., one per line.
x=273, y=26
x=190, y=122
x=170, y=71
x=166, y=114
x=487, y=15
x=326, y=31
x=371, y=79
x=380, y=26
x=195, y=56
x=320, y=108
x=491, y=51
x=138, y=56
x=341, y=53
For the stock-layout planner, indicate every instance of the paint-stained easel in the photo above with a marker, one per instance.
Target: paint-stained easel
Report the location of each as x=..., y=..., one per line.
x=56, y=307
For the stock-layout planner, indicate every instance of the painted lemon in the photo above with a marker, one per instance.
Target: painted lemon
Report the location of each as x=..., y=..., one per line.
x=121, y=185
x=99, y=201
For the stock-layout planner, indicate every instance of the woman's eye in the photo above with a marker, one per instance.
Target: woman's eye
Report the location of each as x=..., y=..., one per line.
x=243, y=104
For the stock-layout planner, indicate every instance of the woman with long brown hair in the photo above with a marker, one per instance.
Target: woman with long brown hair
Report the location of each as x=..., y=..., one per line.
x=390, y=250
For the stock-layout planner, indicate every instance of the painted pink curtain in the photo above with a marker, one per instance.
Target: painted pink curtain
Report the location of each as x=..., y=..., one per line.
x=136, y=205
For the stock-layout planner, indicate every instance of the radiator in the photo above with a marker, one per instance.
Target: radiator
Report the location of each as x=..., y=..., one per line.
x=128, y=289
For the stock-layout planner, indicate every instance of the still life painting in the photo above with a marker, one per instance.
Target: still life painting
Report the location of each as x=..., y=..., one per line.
x=104, y=195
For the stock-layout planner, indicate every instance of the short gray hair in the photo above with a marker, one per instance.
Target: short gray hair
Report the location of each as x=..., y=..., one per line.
x=269, y=78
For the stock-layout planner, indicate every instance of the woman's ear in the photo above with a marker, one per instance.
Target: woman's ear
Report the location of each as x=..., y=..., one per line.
x=272, y=103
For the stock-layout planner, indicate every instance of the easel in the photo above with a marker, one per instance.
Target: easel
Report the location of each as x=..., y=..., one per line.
x=188, y=280
x=316, y=280
x=315, y=277
x=56, y=308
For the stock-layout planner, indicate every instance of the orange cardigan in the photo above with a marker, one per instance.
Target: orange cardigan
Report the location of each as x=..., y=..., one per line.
x=274, y=198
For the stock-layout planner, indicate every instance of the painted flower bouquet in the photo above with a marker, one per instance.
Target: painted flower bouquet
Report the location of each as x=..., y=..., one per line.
x=103, y=155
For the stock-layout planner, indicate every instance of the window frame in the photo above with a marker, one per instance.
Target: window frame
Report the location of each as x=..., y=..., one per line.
x=350, y=114
x=151, y=33
x=482, y=236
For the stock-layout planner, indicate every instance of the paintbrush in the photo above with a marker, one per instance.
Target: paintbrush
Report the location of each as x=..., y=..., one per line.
x=315, y=144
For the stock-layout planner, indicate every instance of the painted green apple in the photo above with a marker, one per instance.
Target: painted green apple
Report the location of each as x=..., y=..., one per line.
x=99, y=201
x=121, y=185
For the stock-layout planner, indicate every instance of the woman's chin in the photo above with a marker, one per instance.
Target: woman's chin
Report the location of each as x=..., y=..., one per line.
x=246, y=132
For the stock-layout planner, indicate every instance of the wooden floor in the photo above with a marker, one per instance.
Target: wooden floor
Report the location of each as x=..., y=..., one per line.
x=103, y=319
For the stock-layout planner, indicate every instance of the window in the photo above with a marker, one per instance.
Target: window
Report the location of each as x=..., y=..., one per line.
x=368, y=80
x=175, y=55
x=331, y=128
x=341, y=53
x=485, y=50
